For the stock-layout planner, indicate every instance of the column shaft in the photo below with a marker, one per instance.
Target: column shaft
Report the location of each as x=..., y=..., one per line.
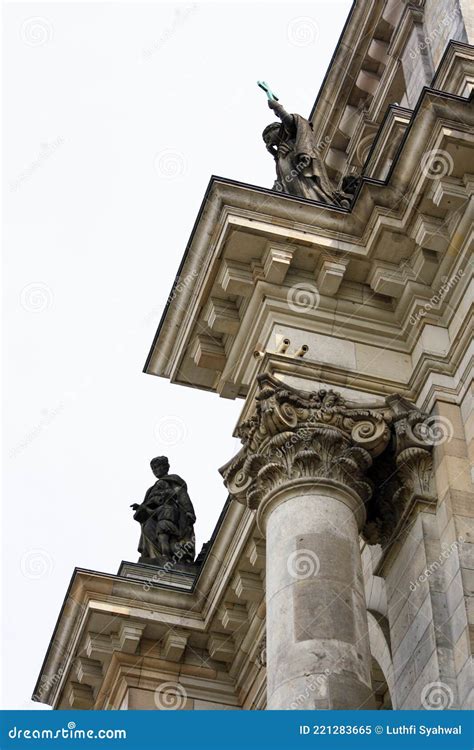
x=318, y=653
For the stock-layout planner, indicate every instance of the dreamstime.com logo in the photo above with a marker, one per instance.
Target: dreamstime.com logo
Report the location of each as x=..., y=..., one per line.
x=303, y=297
x=168, y=567
x=436, y=564
x=303, y=564
x=171, y=430
x=170, y=696
x=36, y=31
x=316, y=682
x=437, y=696
x=438, y=298
x=302, y=31
x=437, y=164
x=437, y=430
x=67, y=733
x=170, y=164
x=48, y=149
x=441, y=30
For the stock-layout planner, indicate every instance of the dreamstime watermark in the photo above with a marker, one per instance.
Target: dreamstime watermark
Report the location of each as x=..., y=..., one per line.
x=184, y=550
x=437, y=164
x=71, y=732
x=182, y=284
x=170, y=431
x=436, y=564
x=303, y=297
x=36, y=31
x=303, y=564
x=46, y=685
x=47, y=151
x=170, y=696
x=436, y=430
x=36, y=564
x=49, y=415
x=437, y=696
x=181, y=15
x=437, y=298
x=36, y=297
x=316, y=682
x=295, y=172
x=170, y=164
x=302, y=31
x=47, y=418
x=438, y=31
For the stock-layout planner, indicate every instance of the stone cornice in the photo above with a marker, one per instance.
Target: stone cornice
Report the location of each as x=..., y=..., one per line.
x=156, y=606
x=291, y=242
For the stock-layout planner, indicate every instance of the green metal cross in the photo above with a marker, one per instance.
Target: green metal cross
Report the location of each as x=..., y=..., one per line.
x=268, y=91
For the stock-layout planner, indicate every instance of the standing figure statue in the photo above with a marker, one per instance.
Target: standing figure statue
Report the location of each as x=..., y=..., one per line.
x=167, y=518
x=299, y=166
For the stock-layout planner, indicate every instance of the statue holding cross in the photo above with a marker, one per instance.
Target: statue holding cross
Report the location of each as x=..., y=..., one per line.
x=299, y=166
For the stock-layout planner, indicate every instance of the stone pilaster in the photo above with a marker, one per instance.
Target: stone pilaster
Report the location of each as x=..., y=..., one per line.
x=403, y=476
x=303, y=468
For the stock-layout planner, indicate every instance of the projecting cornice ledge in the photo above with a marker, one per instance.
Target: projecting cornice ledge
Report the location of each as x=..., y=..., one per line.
x=372, y=272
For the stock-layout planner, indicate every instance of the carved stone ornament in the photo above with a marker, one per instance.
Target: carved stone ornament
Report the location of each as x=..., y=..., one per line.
x=294, y=435
x=405, y=473
x=261, y=656
x=381, y=453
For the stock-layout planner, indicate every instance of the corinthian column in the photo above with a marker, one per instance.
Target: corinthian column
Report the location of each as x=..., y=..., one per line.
x=303, y=468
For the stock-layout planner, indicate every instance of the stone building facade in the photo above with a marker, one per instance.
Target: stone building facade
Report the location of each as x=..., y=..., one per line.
x=341, y=570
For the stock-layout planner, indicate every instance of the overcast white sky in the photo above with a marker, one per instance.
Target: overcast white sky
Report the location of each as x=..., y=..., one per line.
x=115, y=116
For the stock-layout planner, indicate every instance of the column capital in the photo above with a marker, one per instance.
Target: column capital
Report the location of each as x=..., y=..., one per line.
x=295, y=435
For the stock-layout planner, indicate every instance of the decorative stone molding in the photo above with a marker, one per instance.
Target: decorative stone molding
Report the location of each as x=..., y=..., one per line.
x=221, y=647
x=276, y=263
x=233, y=617
x=431, y=233
x=80, y=696
x=100, y=646
x=235, y=278
x=209, y=352
x=129, y=637
x=222, y=316
x=174, y=644
x=261, y=656
x=331, y=275
x=89, y=671
x=256, y=554
x=248, y=587
x=390, y=279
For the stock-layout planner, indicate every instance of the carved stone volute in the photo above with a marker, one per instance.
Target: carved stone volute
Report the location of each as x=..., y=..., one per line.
x=297, y=435
x=380, y=453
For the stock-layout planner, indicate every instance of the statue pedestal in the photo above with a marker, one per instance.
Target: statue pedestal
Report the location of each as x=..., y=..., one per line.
x=180, y=575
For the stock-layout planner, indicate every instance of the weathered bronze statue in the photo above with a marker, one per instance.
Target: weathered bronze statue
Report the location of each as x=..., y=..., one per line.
x=167, y=519
x=299, y=166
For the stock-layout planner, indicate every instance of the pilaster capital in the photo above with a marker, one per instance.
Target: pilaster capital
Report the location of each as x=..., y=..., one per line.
x=403, y=477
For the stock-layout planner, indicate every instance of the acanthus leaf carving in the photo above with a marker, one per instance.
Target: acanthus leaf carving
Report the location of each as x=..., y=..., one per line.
x=381, y=453
x=294, y=434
